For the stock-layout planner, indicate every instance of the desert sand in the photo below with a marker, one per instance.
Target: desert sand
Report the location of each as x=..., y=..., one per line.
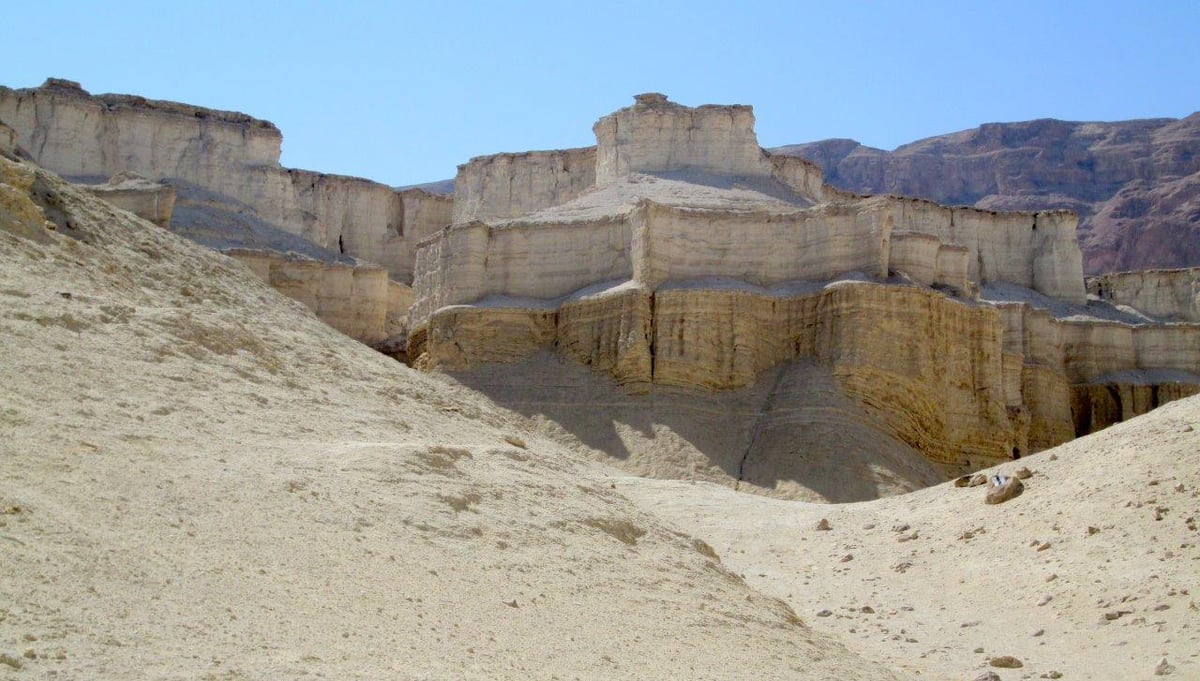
x=201, y=480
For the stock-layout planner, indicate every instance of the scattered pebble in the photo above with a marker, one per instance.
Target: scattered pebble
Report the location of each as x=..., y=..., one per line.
x=1163, y=668
x=1045, y=599
x=988, y=676
x=512, y=603
x=1043, y=546
x=1052, y=674
x=1002, y=488
x=825, y=613
x=1038, y=633
x=866, y=609
x=847, y=558
x=1024, y=473
x=823, y=525
x=1093, y=530
x=10, y=660
x=1005, y=662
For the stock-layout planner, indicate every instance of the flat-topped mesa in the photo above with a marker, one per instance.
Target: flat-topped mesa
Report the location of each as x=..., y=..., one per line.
x=77, y=134
x=225, y=168
x=656, y=135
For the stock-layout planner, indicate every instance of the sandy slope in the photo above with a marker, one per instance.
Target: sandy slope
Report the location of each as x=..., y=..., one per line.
x=793, y=434
x=200, y=480
x=1093, y=572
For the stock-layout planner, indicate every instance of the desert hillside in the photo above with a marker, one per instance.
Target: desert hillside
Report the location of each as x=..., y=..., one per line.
x=1135, y=184
x=201, y=480
x=1093, y=572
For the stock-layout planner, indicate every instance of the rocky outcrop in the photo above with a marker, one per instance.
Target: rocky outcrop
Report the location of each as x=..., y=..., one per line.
x=656, y=135
x=508, y=185
x=963, y=331
x=152, y=201
x=8, y=139
x=1134, y=184
x=1170, y=294
x=223, y=164
x=359, y=301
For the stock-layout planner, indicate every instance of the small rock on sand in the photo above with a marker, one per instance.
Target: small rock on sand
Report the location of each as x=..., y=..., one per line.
x=1164, y=668
x=823, y=524
x=1005, y=662
x=1001, y=489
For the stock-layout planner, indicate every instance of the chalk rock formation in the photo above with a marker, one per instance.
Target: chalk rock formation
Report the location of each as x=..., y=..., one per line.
x=657, y=135
x=8, y=139
x=696, y=260
x=149, y=200
x=1170, y=294
x=509, y=185
x=1134, y=183
x=225, y=167
x=360, y=301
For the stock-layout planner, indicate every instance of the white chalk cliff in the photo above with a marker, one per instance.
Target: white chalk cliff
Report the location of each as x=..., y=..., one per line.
x=231, y=191
x=677, y=253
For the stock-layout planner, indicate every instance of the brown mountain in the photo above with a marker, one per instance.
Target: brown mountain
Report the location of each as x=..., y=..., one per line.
x=1135, y=184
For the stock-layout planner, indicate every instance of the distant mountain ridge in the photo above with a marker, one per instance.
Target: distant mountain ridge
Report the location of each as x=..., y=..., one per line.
x=1135, y=184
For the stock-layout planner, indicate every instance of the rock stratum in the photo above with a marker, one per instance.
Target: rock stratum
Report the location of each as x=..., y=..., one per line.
x=214, y=177
x=678, y=255
x=1135, y=184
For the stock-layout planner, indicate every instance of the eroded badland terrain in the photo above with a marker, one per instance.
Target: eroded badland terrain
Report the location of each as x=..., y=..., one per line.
x=670, y=406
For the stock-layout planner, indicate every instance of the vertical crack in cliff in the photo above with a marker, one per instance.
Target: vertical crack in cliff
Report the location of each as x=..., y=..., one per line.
x=650, y=341
x=767, y=406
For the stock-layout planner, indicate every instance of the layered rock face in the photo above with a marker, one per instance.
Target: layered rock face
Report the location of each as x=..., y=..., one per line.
x=153, y=201
x=657, y=135
x=698, y=262
x=1171, y=294
x=8, y=139
x=225, y=166
x=359, y=301
x=509, y=185
x=1134, y=184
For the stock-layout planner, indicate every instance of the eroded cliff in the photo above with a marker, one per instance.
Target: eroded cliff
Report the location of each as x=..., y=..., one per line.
x=225, y=167
x=1171, y=294
x=696, y=261
x=1133, y=183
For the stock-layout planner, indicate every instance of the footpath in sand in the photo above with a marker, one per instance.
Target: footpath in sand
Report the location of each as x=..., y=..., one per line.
x=1093, y=572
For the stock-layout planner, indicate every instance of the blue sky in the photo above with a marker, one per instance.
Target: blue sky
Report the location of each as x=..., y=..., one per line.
x=402, y=93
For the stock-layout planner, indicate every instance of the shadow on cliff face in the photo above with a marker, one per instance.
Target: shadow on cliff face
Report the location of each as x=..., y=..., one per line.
x=793, y=434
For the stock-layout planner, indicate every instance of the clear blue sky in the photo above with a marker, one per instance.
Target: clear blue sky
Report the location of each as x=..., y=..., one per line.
x=402, y=93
